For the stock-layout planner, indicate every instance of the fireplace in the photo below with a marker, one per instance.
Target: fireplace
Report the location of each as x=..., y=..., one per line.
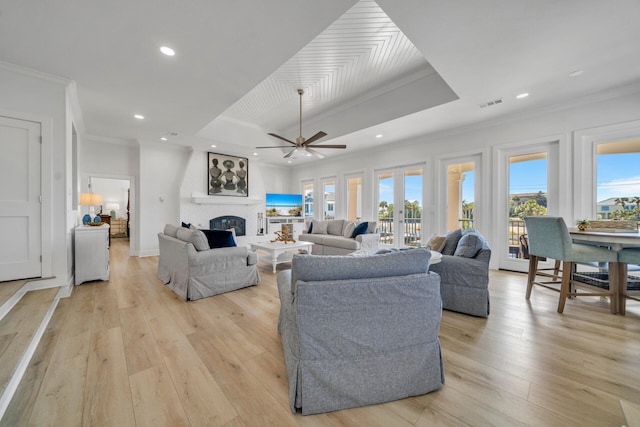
x=229, y=221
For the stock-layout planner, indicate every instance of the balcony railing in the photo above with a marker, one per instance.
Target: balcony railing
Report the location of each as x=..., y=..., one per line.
x=412, y=231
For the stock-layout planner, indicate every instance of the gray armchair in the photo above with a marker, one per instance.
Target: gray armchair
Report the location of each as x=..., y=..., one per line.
x=360, y=330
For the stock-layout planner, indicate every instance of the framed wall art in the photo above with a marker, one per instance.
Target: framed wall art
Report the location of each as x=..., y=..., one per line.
x=227, y=175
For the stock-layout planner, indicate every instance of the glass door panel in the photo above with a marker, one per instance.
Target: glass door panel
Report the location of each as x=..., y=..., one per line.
x=413, y=207
x=385, y=207
x=354, y=198
x=307, y=194
x=329, y=199
x=460, y=195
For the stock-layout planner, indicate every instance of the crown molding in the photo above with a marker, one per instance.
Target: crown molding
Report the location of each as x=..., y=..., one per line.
x=18, y=69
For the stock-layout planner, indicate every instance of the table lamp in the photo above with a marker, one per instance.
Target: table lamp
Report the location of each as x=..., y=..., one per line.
x=91, y=200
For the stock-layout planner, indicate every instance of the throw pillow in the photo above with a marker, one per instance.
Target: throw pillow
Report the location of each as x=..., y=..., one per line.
x=310, y=227
x=360, y=229
x=372, y=227
x=171, y=230
x=469, y=245
x=436, y=243
x=348, y=229
x=452, y=242
x=334, y=227
x=186, y=225
x=199, y=240
x=320, y=227
x=219, y=238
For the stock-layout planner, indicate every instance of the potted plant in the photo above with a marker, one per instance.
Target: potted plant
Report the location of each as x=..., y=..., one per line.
x=582, y=224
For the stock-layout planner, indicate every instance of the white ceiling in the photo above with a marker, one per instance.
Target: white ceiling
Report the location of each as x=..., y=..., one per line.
x=238, y=64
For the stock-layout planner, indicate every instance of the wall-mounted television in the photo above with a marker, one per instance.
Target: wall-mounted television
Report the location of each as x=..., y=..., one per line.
x=284, y=204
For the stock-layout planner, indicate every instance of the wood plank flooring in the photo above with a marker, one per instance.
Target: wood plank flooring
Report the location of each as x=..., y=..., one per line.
x=129, y=352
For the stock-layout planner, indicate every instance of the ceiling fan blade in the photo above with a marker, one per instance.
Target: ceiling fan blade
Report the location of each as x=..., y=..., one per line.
x=284, y=139
x=290, y=153
x=330, y=146
x=314, y=152
x=315, y=137
x=276, y=146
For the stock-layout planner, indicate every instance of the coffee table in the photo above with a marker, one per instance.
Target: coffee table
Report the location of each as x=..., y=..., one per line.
x=278, y=252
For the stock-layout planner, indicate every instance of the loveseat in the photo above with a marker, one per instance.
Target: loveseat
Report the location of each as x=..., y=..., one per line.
x=360, y=330
x=464, y=272
x=336, y=237
x=193, y=270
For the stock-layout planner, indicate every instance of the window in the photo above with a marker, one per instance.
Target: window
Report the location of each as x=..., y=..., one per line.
x=307, y=195
x=618, y=180
x=328, y=198
x=354, y=197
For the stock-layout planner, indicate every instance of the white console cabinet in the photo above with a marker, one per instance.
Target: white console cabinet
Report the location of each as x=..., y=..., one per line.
x=91, y=253
x=295, y=223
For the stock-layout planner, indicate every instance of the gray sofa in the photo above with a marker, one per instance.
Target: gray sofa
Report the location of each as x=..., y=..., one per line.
x=464, y=273
x=333, y=237
x=360, y=330
x=194, y=271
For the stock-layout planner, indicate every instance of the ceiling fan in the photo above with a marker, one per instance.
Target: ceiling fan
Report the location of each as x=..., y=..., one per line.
x=301, y=143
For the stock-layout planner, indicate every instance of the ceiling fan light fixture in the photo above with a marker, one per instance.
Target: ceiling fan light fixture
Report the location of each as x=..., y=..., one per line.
x=301, y=142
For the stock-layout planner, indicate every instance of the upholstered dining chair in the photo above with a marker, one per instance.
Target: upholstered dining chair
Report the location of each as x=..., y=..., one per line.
x=550, y=238
x=628, y=291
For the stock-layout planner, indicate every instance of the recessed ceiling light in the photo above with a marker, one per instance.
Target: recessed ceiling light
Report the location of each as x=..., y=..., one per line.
x=138, y=116
x=308, y=154
x=163, y=138
x=576, y=73
x=522, y=95
x=379, y=135
x=255, y=154
x=167, y=51
x=288, y=161
x=213, y=146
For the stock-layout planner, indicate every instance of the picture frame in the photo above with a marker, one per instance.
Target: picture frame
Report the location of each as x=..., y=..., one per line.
x=227, y=175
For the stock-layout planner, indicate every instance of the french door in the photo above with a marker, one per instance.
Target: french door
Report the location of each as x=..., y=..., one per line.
x=400, y=205
x=529, y=184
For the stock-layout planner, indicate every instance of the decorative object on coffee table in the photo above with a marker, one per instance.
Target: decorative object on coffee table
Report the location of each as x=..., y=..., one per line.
x=284, y=235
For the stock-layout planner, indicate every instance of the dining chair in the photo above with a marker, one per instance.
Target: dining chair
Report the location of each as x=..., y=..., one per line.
x=550, y=238
x=629, y=290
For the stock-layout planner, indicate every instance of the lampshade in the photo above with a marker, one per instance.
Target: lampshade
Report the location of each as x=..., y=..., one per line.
x=90, y=199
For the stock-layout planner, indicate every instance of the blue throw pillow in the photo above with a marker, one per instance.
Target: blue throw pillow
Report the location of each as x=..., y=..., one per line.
x=219, y=238
x=310, y=227
x=186, y=225
x=469, y=245
x=360, y=229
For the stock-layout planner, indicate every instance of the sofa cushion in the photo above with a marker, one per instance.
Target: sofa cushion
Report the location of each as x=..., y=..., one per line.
x=373, y=226
x=348, y=229
x=337, y=267
x=436, y=243
x=469, y=245
x=334, y=227
x=219, y=238
x=171, y=230
x=360, y=229
x=199, y=240
x=339, y=242
x=320, y=227
x=183, y=234
x=452, y=242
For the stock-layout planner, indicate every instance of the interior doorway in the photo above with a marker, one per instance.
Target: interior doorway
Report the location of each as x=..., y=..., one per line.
x=118, y=204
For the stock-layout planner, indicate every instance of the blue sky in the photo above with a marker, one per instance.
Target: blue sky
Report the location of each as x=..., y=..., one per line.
x=618, y=175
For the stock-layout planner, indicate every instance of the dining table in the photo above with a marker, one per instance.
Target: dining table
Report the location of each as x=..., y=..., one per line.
x=615, y=241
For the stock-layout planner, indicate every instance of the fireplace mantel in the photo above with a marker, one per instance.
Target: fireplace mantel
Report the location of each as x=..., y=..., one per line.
x=225, y=200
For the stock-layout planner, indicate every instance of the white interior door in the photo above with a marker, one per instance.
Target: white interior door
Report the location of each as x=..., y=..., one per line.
x=20, y=208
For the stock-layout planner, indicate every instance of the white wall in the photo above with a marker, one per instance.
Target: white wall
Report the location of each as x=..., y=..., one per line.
x=263, y=178
x=120, y=159
x=27, y=94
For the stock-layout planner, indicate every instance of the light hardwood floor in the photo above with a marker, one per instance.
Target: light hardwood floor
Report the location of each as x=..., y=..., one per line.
x=129, y=352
